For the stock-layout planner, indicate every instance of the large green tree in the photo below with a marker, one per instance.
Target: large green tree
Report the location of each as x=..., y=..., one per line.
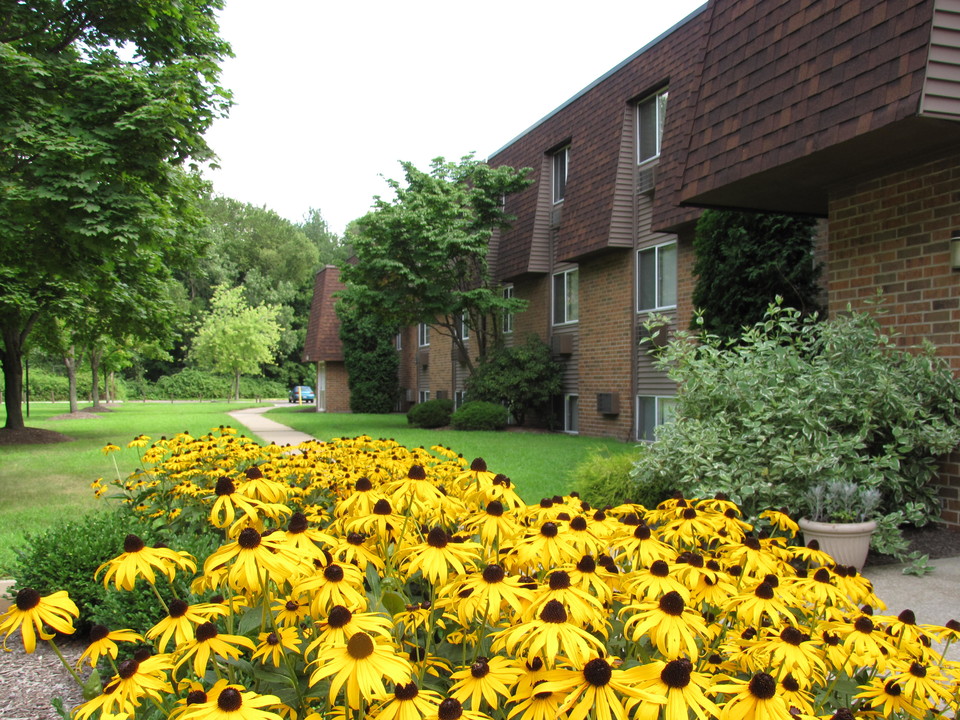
x=236, y=338
x=422, y=256
x=105, y=104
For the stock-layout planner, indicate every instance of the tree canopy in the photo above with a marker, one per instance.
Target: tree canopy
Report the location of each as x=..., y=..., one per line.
x=105, y=106
x=422, y=256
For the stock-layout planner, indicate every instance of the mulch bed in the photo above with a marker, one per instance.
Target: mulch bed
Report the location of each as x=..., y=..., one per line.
x=937, y=541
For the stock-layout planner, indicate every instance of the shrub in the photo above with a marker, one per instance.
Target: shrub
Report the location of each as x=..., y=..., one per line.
x=479, y=415
x=371, y=359
x=604, y=480
x=431, y=414
x=524, y=378
x=193, y=384
x=796, y=402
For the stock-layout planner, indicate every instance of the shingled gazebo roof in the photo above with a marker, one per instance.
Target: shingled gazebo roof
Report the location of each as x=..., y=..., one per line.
x=322, y=343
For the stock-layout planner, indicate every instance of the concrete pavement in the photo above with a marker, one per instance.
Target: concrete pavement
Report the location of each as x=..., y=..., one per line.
x=268, y=430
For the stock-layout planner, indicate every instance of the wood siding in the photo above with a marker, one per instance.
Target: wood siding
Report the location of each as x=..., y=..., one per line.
x=941, y=89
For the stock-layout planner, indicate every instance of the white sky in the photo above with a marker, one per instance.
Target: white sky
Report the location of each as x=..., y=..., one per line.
x=330, y=96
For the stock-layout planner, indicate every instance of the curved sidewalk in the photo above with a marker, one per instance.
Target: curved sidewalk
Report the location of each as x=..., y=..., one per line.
x=268, y=430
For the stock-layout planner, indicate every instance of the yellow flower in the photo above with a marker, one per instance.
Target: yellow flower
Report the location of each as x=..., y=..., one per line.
x=182, y=620
x=103, y=641
x=250, y=555
x=233, y=704
x=486, y=680
x=753, y=699
x=110, y=448
x=408, y=703
x=436, y=557
x=274, y=645
x=485, y=595
x=888, y=698
x=138, y=560
x=209, y=643
x=597, y=689
x=30, y=612
x=360, y=665
x=143, y=675
x=334, y=584
x=549, y=636
x=672, y=627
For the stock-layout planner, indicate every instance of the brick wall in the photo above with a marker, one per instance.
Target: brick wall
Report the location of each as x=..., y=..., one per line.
x=893, y=232
x=338, y=391
x=607, y=342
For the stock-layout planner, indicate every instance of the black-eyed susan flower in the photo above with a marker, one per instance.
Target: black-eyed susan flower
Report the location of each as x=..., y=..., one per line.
x=926, y=684
x=252, y=556
x=588, y=575
x=887, y=698
x=334, y=584
x=356, y=549
x=761, y=603
x=496, y=525
x=360, y=666
x=233, y=703
x=485, y=682
x=544, y=549
x=181, y=621
x=107, y=703
x=274, y=645
x=485, y=595
x=781, y=520
x=642, y=548
x=196, y=694
x=538, y=705
x=110, y=448
x=30, y=612
x=290, y=610
x=682, y=689
x=142, y=676
x=305, y=540
x=672, y=627
x=549, y=636
x=655, y=581
x=382, y=522
x=138, y=560
x=409, y=702
x=791, y=652
x=341, y=624
x=865, y=643
x=437, y=557
x=753, y=699
x=103, y=641
x=208, y=644
x=598, y=689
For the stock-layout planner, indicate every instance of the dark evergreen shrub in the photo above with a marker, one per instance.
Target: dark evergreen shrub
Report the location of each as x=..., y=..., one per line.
x=431, y=414
x=371, y=359
x=479, y=415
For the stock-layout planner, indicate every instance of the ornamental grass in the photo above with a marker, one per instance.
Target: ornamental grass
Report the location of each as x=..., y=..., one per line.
x=357, y=578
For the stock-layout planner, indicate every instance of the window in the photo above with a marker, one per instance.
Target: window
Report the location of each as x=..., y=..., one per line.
x=398, y=341
x=571, y=407
x=423, y=335
x=566, y=297
x=463, y=328
x=507, y=316
x=560, y=159
x=423, y=396
x=459, y=398
x=652, y=411
x=657, y=277
x=650, y=116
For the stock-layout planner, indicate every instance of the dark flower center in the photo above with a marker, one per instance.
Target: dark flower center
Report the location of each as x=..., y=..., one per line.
x=587, y=564
x=248, y=538
x=98, y=632
x=178, y=608
x=360, y=646
x=127, y=669
x=229, y=700
x=642, y=532
x=272, y=639
x=764, y=591
x=27, y=599
x=333, y=573
x=382, y=507
x=893, y=688
x=451, y=709
x=253, y=473
x=493, y=574
x=843, y=714
x=907, y=617
x=553, y=612
x=363, y=485
x=298, y=523
x=689, y=513
x=597, y=672
x=831, y=639
x=480, y=668
x=292, y=605
x=195, y=697
x=478, y=465
x=438, y=538
x=599, y=516
x=224, y=486
x=676, y=673
x=206, y=631
x=559, y=580
x=133, y=544
x=339, y=616
x=356, y=538
x=416, y=472
x=495, y=508
x=659, y=568
x=822, y=575
x=752, y=543
x=672, y=603
x=763, y=686
x=579, y=523
x=863, y=624
x=549, y=529
x=790, y=684
x=953, y=625
x=791, y=636
x=918, y=670
x=406, y=692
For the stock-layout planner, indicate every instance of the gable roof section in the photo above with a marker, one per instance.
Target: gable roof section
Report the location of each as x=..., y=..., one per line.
x=322, y=343
x=796, y=97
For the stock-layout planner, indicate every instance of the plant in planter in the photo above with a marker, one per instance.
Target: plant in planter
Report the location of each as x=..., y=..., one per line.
x=840, y=516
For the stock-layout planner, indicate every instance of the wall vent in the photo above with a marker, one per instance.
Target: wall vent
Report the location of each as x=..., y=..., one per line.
x=556, y=215
x=608, y=403
x=562, y=344
x=646, y=180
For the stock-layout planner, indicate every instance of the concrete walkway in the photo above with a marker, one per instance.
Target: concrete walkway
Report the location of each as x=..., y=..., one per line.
x=268, y=430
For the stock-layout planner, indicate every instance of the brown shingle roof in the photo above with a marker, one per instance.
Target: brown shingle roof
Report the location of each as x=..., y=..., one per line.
x=323, y=329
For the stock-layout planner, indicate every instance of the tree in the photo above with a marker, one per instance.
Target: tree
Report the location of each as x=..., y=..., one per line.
x=422, y=257
x=745, y=260
x=104, y=110
x=371, y=360
x=236, y=339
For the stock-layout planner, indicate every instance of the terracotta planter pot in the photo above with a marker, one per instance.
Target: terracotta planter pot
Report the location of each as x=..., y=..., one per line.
x=847, y=543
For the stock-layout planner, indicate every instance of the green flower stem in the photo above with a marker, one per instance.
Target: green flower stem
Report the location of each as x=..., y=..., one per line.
x=162, y=601
x=67, y=665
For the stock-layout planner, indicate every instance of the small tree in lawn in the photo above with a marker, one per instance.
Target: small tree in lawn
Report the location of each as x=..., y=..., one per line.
x=236, y=339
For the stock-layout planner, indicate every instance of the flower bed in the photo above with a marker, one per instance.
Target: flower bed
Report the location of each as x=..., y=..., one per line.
x=358, y=578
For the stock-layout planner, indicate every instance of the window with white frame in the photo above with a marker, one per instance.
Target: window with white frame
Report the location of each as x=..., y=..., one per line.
x=571, y=413
x=423, y=335
x=566, y=297
x=650, y=116
x=423, y=396
x=463, y=328
x=653, y=411
x=560, y=160
x=657, y=277
x=459, y=398
x=507, y=293
x=398, y=341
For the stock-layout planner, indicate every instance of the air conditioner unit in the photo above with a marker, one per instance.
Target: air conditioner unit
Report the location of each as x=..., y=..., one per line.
x=608, y=403
x=441, y=395
x=562, y=344
x=646, y=180
x=556, y=215
x=409, y=394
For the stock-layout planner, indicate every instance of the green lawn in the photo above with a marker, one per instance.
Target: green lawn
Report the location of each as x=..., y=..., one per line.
x=539, y=463
x=40, y=484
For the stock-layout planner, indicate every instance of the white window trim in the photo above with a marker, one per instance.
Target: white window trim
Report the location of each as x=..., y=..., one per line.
x=463, y=328
x=565, y=154
x=423, y=334
x=553, y=291
x=657, y=412
x=660, y=124
x=507, y=293
x=656, y=291
x=423, y=395
x=566, y=418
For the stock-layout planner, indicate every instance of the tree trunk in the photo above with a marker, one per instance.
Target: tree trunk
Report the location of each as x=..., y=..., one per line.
x=95, y=376
x=236, y=388
x=70, y=362
x=12, y=377
x=109, y=387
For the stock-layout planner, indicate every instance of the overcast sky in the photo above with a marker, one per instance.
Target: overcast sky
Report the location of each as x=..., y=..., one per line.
x=330, y=96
